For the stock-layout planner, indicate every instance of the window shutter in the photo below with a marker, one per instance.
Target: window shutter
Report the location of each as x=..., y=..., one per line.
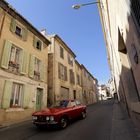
x=24, y=34
x=34, y=41
x=26, y=95
x=73, y=78
x=43, y=72
x=13, y=25
x=32, y=65
x=59, y=71
x=65, y=73
x=6, y=54
x=7, y=94
x=24, y=61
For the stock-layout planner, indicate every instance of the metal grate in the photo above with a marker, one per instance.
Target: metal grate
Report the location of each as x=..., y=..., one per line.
x=135, y=7
x=41, y=118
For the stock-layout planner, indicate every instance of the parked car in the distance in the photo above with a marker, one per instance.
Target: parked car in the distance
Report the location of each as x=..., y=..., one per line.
x=60, y=113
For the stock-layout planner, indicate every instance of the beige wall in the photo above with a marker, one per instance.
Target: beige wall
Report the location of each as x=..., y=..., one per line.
x=88, y=87
x=23, y=79
x=78, y=71
x=121, y=32
x=54, y=49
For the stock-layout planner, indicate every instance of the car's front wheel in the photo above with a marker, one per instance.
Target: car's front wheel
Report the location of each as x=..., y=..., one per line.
x=83, y=114
x=63, y=122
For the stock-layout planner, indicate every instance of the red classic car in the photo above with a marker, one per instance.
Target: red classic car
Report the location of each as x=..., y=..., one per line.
x=60, y=113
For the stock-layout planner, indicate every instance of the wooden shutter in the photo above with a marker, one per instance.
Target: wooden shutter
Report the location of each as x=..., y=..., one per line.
x=59, y=70
x=13, y=25
x=7, y=94
x=65, y=73
x=34, y=41
x=43, y=72
x=26, y=95
x=24, y=62
x=6, y=54
x=73, y=77
x=31, y=66
x=24, y=34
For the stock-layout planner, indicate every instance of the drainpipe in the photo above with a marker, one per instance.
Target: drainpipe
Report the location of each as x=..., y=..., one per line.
x=2, y=24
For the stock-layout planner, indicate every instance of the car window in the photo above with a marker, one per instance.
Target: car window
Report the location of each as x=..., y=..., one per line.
x=73, y=103
x=78, y=102
x=59, y=104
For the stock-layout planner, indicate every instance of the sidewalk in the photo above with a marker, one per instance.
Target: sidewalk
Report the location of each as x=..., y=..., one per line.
x=13, y=123
x=122, y=126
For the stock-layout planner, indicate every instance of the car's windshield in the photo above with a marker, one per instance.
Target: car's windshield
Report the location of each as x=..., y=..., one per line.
x=61, y=104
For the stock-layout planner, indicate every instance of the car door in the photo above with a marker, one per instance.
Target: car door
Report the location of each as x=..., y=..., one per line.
x=79, y=108
x=75, y=109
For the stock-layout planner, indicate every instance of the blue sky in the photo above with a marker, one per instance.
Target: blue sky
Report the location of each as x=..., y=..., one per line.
x=80, y=29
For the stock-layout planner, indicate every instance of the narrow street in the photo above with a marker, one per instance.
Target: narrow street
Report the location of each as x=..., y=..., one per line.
x=96, y=126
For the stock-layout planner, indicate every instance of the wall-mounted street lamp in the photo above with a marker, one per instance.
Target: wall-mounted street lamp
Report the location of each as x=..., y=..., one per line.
x=77, y=6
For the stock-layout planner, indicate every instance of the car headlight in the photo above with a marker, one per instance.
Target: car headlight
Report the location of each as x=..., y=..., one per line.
x=34, y=117
x=47, y=118
x=51, y=118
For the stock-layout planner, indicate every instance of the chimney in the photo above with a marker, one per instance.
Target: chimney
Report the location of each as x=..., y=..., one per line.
x=43, y=32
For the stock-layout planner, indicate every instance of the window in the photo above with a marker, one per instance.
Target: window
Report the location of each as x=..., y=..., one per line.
x=72, y=78
x=78, y=79
x=14, y=61
x=62, y=72
x=37, y=69
x=17, y=95
x=61, y=52
x=70, y=60
x=135, y=7
x=37, y=43
x=18, y=31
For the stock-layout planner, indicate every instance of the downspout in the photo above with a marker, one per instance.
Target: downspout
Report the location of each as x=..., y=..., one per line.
x=1, y=28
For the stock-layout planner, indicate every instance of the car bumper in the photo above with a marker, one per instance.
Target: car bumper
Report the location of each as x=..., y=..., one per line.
x=44, y=123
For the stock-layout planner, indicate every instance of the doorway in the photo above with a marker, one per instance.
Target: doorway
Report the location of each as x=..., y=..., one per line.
x=39, y=96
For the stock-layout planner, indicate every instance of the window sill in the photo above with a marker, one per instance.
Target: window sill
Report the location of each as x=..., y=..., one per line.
x=14, y=109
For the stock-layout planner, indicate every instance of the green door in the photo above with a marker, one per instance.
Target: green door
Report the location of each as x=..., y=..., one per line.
x=39, y=99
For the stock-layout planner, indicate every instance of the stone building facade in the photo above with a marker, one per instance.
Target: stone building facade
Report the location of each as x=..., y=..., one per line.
x=121, y=25
x=23, y=66
x=89, y=87
x=61, y=74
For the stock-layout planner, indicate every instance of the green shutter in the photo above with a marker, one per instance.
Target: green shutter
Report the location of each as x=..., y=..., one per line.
x=43, y=72
x=23, y=62
x=65, y=73
x=7, y=94
x=34, y=41
x=59, y=70
x=24, y=34
x=6, y=54
x=13, y=25
x=31, y=66
x=26, y=95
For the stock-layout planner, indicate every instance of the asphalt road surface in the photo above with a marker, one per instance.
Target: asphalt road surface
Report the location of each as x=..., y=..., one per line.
x=97, y=126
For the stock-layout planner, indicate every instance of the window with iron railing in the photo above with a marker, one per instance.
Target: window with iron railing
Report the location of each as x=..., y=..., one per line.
x=14, y=61
x=135, y=10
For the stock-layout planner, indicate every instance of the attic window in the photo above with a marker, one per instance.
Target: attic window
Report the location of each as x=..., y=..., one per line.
x=37, y=43
x=18, y=31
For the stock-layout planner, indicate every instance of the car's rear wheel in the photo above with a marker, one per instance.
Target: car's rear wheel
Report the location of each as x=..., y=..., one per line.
x=63, y=122
x=83, y=114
